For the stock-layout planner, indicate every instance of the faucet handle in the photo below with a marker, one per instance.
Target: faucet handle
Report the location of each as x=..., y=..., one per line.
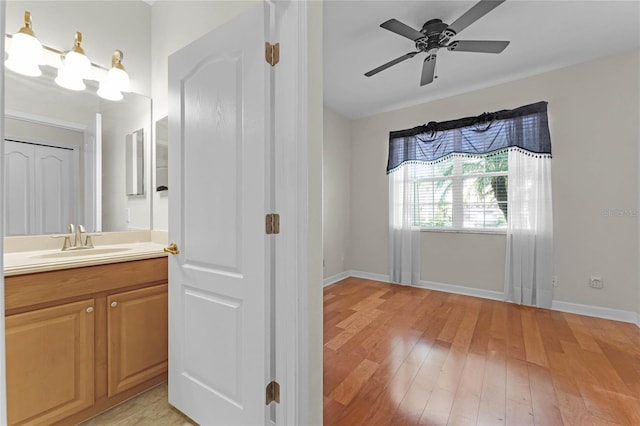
x=71, y=228
x=88, y=241
x=81, y=229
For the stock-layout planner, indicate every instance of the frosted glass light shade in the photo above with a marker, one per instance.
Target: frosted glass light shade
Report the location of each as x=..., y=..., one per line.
x=108, y=92
x=75, y=67
x=25, y=55
x=119, y=80
x=69, y=80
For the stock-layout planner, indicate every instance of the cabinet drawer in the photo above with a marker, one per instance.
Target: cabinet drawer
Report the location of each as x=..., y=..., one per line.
x=24, y=291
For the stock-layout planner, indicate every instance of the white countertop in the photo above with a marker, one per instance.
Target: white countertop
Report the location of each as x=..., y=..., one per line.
x=27, y=262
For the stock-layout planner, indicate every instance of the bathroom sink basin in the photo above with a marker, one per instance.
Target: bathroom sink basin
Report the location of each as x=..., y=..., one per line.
x=81, y=252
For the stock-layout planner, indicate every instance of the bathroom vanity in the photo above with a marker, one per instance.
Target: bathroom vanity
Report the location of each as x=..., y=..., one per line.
x=83, y=332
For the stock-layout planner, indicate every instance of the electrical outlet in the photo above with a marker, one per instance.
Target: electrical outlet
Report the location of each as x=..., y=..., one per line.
x=127, y=215
x=595, y=282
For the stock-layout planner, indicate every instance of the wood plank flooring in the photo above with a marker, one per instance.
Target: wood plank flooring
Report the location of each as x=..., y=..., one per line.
x=396, y=355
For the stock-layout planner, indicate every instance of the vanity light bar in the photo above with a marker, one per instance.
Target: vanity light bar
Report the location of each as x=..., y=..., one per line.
x=54, y=58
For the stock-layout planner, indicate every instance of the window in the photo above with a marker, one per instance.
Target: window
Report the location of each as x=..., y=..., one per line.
x=455, y=174
x=461, y=192
x=472, y=174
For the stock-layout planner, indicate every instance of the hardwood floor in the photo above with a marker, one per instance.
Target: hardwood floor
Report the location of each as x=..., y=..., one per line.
x=397, y=355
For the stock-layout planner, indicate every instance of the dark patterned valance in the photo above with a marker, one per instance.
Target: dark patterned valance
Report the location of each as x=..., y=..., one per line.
x=526, y=128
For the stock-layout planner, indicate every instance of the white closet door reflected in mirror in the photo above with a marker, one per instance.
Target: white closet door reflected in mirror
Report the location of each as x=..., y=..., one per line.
x=40, y=194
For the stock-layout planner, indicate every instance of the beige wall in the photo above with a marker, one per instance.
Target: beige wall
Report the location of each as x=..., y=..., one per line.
x=593, y=116
x=36, y=132
x=336, y=192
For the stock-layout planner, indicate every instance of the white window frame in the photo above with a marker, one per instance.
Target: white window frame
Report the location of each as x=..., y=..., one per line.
x=457, y=188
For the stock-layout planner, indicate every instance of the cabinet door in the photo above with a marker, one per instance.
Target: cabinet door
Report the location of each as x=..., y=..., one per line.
x=49, y=355
x=137, y=328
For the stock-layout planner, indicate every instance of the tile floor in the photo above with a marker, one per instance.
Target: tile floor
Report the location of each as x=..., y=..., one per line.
x=150, y=408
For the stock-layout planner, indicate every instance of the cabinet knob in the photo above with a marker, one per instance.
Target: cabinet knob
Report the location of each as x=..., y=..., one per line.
x=90, y=309
x=114, y=304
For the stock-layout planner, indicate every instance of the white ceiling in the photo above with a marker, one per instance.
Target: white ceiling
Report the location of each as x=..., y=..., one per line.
x=544, y=35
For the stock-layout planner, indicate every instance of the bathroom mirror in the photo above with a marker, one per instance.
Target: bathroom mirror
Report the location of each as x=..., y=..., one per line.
x=135, y=162
x=162, y=154
x=66, y=155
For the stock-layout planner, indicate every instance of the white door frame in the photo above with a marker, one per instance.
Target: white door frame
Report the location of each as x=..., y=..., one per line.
x=300, y=391
x=3, y=393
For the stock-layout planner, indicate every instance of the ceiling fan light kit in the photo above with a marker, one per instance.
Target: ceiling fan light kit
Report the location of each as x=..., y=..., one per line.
x=436, y=34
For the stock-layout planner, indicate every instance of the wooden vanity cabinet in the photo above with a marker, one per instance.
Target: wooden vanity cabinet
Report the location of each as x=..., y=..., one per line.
x=79, y=341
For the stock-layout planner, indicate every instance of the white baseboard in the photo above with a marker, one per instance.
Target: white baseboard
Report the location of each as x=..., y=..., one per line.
x=596, y=311
x=557, y=305
x=370, y=276
x=458, y=289
x=335, y=278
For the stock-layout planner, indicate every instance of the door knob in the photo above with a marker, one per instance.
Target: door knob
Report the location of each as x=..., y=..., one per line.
x=114, y=304
x=90, y=309
x=173, y=249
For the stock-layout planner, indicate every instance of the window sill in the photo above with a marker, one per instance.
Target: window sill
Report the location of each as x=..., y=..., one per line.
x=466, y=231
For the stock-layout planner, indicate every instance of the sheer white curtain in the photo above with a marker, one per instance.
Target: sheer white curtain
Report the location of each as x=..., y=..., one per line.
x=404, y=239
x=529, y=260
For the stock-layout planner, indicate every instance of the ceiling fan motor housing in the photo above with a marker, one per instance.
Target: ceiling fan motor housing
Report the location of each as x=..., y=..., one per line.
x=435, y=36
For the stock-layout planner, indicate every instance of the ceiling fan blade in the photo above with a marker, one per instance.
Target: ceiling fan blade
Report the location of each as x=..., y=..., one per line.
x=428, y=70
x=481, y=46
x=404, y=30
x=391, y=63
x=476, y=12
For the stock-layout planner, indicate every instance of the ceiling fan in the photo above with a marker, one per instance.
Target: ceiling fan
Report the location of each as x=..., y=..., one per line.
x=435, y=34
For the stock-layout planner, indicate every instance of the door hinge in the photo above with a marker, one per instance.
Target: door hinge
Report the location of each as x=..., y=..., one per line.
x=272, y=53
x=273, y=392
x=272, y=223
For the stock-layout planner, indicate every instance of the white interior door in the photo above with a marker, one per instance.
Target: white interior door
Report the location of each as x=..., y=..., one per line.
x=218, y=314
x=19, y=190
x=40, y=192
x=56, y=188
